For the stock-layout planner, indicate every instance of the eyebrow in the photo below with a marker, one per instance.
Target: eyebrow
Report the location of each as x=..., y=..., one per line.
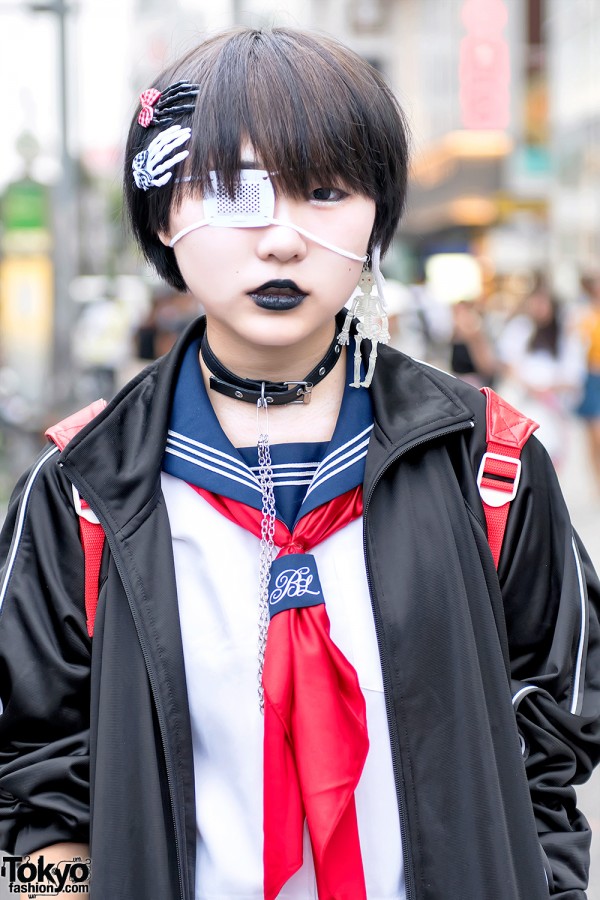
x=249, y=164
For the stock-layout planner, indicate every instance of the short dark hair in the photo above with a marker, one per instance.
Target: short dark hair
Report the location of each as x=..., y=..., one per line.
x=310, y=107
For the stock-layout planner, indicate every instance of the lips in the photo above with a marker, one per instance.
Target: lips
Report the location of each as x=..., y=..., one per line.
x=278, y=294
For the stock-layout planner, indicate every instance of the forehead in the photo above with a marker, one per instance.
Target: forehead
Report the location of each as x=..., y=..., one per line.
x=249, y=158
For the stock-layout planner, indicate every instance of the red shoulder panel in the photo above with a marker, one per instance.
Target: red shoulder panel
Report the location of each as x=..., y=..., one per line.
x=505, y=424
x=63, y=431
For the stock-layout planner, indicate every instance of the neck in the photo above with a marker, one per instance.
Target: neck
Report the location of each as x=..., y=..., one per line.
x=283, y=363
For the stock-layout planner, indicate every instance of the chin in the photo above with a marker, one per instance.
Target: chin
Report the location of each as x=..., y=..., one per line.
x=288, y=328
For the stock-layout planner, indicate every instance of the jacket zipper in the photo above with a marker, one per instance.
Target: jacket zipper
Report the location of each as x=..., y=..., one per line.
x=396, y=760
x=159, y=713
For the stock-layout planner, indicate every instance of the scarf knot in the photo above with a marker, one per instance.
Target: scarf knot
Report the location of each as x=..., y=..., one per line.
x=294, y=546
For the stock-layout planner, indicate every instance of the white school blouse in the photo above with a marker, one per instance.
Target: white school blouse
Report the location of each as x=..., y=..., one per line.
x=216, y=566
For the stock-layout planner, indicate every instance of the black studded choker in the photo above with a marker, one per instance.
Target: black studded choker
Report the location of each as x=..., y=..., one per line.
x=277, y=393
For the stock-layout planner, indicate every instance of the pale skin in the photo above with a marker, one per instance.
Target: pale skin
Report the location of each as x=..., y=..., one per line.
x=221, y=266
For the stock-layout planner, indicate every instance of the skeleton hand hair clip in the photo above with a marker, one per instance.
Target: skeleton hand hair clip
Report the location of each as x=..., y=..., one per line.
x=151, y=166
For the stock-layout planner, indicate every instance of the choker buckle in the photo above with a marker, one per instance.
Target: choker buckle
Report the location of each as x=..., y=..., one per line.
x=304, y=390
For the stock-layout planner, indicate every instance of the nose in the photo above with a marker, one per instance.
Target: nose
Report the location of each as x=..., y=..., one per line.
x=281, y=241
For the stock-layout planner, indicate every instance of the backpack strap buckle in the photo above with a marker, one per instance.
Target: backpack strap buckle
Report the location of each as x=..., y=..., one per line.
x=498, y=478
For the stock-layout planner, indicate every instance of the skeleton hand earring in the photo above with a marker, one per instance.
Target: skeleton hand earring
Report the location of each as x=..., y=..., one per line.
x=372, y=323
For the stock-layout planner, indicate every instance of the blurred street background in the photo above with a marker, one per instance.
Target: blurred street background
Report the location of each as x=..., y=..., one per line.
x=495, y=271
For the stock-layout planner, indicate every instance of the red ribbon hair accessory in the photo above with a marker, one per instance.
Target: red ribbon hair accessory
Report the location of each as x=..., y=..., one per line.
x=147, y=99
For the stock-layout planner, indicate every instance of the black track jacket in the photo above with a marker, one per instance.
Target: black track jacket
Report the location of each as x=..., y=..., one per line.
x=492, y=680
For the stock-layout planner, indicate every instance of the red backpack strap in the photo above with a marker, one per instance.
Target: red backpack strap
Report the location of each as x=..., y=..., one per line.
x=90, y=529
x=507, y=430
x=63, y=431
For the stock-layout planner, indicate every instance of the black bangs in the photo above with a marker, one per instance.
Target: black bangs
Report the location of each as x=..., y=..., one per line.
x=310, y=111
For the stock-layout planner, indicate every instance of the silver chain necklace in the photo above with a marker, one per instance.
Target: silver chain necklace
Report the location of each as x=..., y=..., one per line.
x=267, y=543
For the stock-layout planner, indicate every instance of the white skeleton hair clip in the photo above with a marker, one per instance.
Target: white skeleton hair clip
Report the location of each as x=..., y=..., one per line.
x=151, y=167
x=372, y=320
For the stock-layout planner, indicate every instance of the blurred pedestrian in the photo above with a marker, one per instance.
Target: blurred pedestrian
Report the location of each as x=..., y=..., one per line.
x=305, y=676
x=589, y=330
x=544, y=367
x=472, y=354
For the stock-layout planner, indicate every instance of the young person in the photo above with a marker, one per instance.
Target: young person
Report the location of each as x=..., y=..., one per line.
x=588, y=327
x=544, y=364
x=409, y=722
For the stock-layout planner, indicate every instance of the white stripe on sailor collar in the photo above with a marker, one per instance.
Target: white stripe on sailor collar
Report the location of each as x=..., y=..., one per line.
x=199, y=451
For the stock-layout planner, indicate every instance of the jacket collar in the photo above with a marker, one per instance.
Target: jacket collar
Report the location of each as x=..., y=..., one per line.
x=412, y=402
x=424, y=401
x=115, y=461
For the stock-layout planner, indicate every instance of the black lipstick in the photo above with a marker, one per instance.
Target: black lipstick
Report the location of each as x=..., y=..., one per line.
x=278, y=294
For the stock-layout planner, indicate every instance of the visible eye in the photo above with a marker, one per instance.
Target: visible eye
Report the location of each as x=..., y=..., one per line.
x=327, y=194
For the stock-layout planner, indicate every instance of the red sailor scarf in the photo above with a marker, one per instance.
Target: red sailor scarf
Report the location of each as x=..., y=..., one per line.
x=315, y=742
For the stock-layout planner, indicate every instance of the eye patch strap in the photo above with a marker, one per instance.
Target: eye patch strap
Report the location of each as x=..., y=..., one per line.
x=187, y=230
x=302, y=231
x=318, y=240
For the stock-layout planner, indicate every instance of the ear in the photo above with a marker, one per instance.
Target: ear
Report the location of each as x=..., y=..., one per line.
x=164, y=237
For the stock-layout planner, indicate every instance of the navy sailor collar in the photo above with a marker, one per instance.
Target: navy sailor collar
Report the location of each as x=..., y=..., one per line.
x=199, y=452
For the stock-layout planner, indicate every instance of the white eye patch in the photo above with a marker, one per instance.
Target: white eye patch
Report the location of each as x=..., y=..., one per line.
x=252, y=206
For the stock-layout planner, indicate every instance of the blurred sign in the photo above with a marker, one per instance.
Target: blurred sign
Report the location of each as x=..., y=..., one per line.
x=27, y=288
x=25, y=212
x=26, y=321
x=25, y=206
x=484, y=66
x=536, y=119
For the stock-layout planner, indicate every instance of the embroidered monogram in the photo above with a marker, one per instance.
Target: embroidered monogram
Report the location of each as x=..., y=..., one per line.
x=292, y=583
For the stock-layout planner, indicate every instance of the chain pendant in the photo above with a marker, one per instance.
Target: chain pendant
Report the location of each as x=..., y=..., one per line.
x=267, y=528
